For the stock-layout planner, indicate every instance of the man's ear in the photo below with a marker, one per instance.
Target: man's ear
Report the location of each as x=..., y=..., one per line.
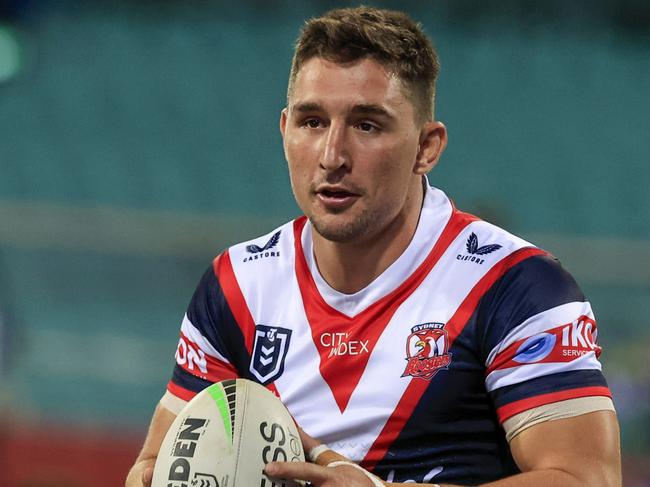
x=433, y=140
x=283, y=121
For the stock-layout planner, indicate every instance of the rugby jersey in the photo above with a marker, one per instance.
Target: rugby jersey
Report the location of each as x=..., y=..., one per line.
x=413, y=375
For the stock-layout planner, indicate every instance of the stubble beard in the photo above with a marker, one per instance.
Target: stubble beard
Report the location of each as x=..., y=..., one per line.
x=354, y=229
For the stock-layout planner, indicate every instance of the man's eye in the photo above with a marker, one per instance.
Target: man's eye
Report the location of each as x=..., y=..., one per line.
x=312, y=123
x=366, y=127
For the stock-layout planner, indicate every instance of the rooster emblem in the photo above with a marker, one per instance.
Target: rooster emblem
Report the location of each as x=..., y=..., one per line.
x=430, y=346
x=427, y=351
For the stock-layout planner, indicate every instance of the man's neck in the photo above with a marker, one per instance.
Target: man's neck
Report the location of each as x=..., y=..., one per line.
x=349, y=267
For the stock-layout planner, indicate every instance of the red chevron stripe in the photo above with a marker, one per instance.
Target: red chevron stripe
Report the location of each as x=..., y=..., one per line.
x=342, y=374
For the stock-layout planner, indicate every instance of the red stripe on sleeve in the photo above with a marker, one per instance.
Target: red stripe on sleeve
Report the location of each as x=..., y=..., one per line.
x=563, y=351
x=224, y=272
x=454, y=327
x=509, y=410
x=181, y=392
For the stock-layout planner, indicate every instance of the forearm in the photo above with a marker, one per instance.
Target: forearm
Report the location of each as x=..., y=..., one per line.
x=545, y=478
x=541, y=478
x=160, y=423
x=580, y=451
x=142, y=470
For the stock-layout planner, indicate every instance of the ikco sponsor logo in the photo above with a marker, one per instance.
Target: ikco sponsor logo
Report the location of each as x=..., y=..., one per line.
x=560, y=344
x=565, y=343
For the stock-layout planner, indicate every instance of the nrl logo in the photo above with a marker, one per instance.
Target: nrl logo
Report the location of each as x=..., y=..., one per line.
x=269, y=351
x=205, y=480
x=427, y=351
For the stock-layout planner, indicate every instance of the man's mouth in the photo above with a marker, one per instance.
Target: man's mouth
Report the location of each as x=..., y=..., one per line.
x=336, y=198
x=329, y=193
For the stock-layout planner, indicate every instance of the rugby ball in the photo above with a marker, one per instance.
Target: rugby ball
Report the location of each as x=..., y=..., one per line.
x=225, y=436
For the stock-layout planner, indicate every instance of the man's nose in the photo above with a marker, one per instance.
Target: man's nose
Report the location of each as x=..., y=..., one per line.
x=334, y=153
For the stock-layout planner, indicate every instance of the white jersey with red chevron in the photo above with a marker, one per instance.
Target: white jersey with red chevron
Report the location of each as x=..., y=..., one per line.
x=412, y=375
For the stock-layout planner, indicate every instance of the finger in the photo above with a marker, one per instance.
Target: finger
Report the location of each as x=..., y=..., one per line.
x=298, y=471
x=147, y=475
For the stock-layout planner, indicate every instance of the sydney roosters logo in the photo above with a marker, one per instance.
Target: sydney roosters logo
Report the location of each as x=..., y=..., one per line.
x=427, y=351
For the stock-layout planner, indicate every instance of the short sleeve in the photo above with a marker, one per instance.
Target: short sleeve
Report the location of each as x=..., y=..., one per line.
x=209, y=341
x=539, y=339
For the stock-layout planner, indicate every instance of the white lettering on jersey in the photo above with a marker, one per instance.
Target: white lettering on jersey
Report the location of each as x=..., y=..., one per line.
x=339, y=344
x=186, y=354
x=581, y=333
x=194, y=349
x=429, y=476
x=194, y=335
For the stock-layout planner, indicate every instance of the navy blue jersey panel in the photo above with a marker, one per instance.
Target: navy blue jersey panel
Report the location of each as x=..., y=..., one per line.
x=188, y=381
x=210, y=314
x=453, y=434
x=205, y=309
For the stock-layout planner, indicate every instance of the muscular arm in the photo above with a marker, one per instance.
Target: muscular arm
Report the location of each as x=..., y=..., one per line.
x=582, y=451
x=579, y=451
x=142, y=471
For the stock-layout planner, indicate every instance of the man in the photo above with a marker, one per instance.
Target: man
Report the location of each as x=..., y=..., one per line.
x=413, y=339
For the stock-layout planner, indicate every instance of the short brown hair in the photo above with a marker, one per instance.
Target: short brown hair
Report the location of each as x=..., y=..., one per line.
x=389, y=37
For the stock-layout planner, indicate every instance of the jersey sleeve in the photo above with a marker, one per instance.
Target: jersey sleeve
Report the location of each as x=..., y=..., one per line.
x=210, y=342
x=540, y=344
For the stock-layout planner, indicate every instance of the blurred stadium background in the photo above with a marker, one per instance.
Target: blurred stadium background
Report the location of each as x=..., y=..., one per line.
x=139, y=138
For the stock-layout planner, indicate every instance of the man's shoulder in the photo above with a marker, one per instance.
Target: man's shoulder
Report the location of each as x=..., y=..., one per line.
x=532, y=286
x=271, y=248
x=492, y=235
x=478, y=236
x=488, y=246
x=483, y=238
x=527, y=270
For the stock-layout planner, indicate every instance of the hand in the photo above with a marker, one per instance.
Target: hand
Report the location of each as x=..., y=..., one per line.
x=141, y=474
x=318, y=475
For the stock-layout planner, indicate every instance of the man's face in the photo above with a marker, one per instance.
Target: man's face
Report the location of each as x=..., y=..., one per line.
x=351, y=141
